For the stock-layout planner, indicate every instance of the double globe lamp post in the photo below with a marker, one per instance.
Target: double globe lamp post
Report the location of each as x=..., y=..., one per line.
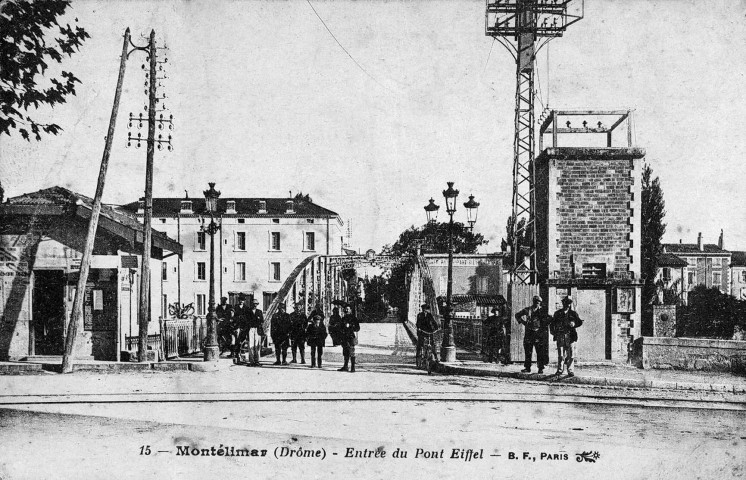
x=212, y=350
x=448, y=347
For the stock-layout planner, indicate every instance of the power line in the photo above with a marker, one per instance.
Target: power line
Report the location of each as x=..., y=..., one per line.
x=343, y=48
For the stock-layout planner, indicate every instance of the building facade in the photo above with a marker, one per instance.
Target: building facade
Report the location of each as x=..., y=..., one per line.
x=260, y=241
x=588, y=242
x=738, y=275
x=42, y=237
x=707, y=264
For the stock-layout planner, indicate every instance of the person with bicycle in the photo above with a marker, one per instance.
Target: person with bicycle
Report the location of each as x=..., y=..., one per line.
x=426, y=327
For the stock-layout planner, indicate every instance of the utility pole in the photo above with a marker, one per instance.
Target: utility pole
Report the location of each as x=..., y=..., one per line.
x=73, y=327
x=524, y=27
x=144, y=299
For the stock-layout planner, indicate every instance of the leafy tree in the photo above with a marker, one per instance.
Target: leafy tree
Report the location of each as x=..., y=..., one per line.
x=32, y=38
x=710, y=314
x=304, y=198
x=653, y=228
x=509, y=242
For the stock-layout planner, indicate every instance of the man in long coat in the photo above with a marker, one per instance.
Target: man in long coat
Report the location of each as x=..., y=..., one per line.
x=535, y=321
x=280, y=332
x=241, y=315
x=298, y=325
x=348, y=334
x=255, y=334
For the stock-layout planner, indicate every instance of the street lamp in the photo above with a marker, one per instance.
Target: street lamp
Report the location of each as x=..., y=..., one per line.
x=471, y=212
x=448, y=347
x=431, y=210
x=212, y=350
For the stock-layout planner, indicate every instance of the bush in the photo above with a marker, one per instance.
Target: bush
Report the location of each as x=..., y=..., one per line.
x=710, y=314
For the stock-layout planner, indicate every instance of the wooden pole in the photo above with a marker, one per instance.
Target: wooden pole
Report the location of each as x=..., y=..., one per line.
x=73, y=327
x=143, y=317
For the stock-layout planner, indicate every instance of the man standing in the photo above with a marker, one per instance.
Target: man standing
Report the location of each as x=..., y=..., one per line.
x=317, y=310
x=348, y=333
x=280, y=332
x=534, y=320
x=426, y=325
x=240, y=327
x=298, y=325
x=563, y=326
x=255, y=334
x=226, y=327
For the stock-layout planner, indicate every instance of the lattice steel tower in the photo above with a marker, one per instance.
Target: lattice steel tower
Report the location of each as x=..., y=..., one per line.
x=524, y=27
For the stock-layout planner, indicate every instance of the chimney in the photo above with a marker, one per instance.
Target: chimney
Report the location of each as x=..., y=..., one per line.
x=720, y=240
x=699, y=242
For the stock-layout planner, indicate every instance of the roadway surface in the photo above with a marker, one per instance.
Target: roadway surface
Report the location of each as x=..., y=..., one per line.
x=90, y=425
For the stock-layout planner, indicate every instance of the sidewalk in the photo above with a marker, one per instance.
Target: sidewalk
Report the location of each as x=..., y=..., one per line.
x=601, y=374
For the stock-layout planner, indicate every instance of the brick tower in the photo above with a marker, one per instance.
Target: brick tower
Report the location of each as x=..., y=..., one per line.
x=588, y=232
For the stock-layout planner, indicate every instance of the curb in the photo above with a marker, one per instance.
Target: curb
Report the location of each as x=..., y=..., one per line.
x=597, y=381
x=21, y=369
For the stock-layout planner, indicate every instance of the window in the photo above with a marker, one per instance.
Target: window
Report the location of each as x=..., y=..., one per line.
x=309, y=220
x=241, y=220
x=717, y=262
x=275, y=220
x=691, y=261
x=666, y=275
x=310, y=241
x=483, y=284
x=274, y=271
x=164, y=271
x=163, y=220
x=743, y=276
x=716, y=278
x=691, y=278
x=164, y=306
x=201, y=271
x=240, y=271
x=594, y=270
x=274, y=241
x=201, y=304
x=240, y=240
x=201, y=239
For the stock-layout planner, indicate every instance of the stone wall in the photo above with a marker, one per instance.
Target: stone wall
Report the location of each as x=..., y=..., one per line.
x=664, y=320
x=690, y=354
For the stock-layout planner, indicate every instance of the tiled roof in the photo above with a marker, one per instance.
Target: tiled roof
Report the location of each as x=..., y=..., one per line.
x=68, y=200
x=738, y=259
x=670, y=260
x=693, y=248
x=276, y=207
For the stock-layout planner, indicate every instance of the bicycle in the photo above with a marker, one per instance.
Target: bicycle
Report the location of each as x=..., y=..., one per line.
x=427, y=355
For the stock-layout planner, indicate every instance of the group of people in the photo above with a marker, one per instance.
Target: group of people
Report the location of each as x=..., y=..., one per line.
x=292, y=331
x=240, y=324
x=537, y=328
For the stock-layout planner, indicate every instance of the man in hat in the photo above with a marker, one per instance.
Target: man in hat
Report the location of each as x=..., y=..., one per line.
x=535, y=322
x=426, y=326
x=241, y=315
x=255, y=334
x=226, y=325
x=298, y=325
x=494, y=336
x=348, y=334
x=563, y=325
x=280, y=332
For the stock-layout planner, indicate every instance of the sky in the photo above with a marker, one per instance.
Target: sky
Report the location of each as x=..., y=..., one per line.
x=266, y=101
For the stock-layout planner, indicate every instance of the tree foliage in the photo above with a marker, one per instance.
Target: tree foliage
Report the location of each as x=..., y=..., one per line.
x=32, y=39
x=303, y=197
x=710, y=314
x=653, y=228
x=514, y=242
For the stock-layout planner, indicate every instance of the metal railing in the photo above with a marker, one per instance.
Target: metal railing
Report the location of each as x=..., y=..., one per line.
x=467, y=333
x=179, y=337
